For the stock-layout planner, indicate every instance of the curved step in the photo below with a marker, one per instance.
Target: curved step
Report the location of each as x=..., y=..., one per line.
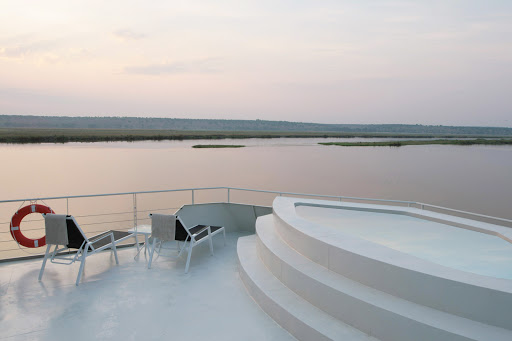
x=370, y=310
x=476, y=297
x=298, y=317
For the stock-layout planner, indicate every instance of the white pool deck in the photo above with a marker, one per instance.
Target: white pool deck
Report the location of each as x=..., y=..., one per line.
x=451, y=246
x=130, y=302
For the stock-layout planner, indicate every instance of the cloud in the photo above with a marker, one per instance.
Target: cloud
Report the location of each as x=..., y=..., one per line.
x=207, y=65
x=127, y=34
x=46, y=51
x=23, y=50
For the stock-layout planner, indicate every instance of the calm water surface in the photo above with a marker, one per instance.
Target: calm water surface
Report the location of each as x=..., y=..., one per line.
x=473, y=178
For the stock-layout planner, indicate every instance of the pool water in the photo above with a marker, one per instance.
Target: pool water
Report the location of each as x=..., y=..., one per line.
x=443, y=244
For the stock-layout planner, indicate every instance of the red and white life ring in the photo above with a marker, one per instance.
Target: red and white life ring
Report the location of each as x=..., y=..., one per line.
x=16, y=225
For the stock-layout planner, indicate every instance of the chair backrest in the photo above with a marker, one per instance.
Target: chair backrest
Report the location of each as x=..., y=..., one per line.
x=76, y=236
x=56, y=229
x=182, y=231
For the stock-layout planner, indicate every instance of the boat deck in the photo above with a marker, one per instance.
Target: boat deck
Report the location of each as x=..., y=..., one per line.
x=128, y=301
x=451, y=246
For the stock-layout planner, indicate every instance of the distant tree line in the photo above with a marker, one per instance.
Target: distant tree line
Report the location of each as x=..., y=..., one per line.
x=183, y=124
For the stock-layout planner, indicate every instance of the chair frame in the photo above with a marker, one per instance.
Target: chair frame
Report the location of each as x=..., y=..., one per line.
x=86, y=249
x=191, y=239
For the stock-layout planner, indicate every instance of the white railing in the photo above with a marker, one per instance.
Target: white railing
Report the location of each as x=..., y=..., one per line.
x=137, y=205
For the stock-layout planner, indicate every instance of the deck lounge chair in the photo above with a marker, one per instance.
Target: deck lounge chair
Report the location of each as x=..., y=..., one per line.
x=167, y=227
x=63, y=230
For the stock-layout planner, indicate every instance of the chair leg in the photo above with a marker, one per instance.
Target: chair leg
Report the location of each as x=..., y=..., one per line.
x=82, y=263
x=188, y=257
x=136, y=242
x=151, y=252
x=211, y=245
x=47, y=253
x=54, y=253
x=114, y=248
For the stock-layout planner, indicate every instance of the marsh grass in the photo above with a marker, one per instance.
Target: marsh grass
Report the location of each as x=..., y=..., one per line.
x=218, y=146
x=50, y=135
x=420, y=142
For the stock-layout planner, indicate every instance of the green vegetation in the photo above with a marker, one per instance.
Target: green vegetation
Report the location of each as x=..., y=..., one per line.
x=50, y=135
x=36, y=135
x=420, y=142
x=218, y=146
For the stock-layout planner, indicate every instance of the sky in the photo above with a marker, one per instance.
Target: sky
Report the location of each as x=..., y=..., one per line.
x=430, y=62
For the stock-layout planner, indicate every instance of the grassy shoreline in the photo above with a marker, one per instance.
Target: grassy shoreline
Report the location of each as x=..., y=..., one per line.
x=33, y=135
x=218, y=146
x=421, y=142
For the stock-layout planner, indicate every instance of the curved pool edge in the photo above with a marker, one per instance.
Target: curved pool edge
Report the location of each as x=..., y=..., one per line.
x=469, y=295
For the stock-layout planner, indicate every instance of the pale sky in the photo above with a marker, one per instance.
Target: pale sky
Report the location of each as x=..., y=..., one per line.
x=443, y=62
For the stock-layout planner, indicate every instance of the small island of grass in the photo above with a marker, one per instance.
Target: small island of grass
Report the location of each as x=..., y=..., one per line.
x=420, y=142
x=218, y=146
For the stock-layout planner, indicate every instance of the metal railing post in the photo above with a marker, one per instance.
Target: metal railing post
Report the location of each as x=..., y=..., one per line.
x=229, y=199
x=67, y=206
x=135, y=210
x=192, y=197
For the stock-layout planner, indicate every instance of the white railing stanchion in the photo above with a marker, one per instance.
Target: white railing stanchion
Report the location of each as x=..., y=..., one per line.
x=135, y=220
x=192, y=197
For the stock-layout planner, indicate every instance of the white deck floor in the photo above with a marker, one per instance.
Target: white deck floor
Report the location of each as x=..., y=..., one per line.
x=129, y=302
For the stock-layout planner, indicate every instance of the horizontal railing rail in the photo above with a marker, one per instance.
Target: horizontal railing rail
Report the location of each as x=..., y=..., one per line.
x=129, y=216
x=466, y=213
x=280, y=193
x=113, y=194
x=408, y=203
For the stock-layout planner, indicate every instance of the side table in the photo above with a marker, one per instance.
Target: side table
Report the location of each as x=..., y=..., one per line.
x=144, y=230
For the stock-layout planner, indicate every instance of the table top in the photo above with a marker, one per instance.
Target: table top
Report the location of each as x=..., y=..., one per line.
x=141, y=229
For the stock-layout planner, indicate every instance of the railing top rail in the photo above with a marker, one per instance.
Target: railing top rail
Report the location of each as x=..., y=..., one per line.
x=262, y=191
x=323, y=195
x=466, y=212
x=111, y=194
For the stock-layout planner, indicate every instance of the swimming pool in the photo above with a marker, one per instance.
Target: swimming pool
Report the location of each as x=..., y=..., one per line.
x=443, y=244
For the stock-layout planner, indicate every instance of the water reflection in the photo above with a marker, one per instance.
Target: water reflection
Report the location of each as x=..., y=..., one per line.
x=474, y=178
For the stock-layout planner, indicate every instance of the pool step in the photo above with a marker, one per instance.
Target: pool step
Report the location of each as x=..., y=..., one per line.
x=484, y=299
x=374, y=312
x=300, y=318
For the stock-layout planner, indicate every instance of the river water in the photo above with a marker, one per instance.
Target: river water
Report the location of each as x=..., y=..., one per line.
x=473, y=178
x=470, y=178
